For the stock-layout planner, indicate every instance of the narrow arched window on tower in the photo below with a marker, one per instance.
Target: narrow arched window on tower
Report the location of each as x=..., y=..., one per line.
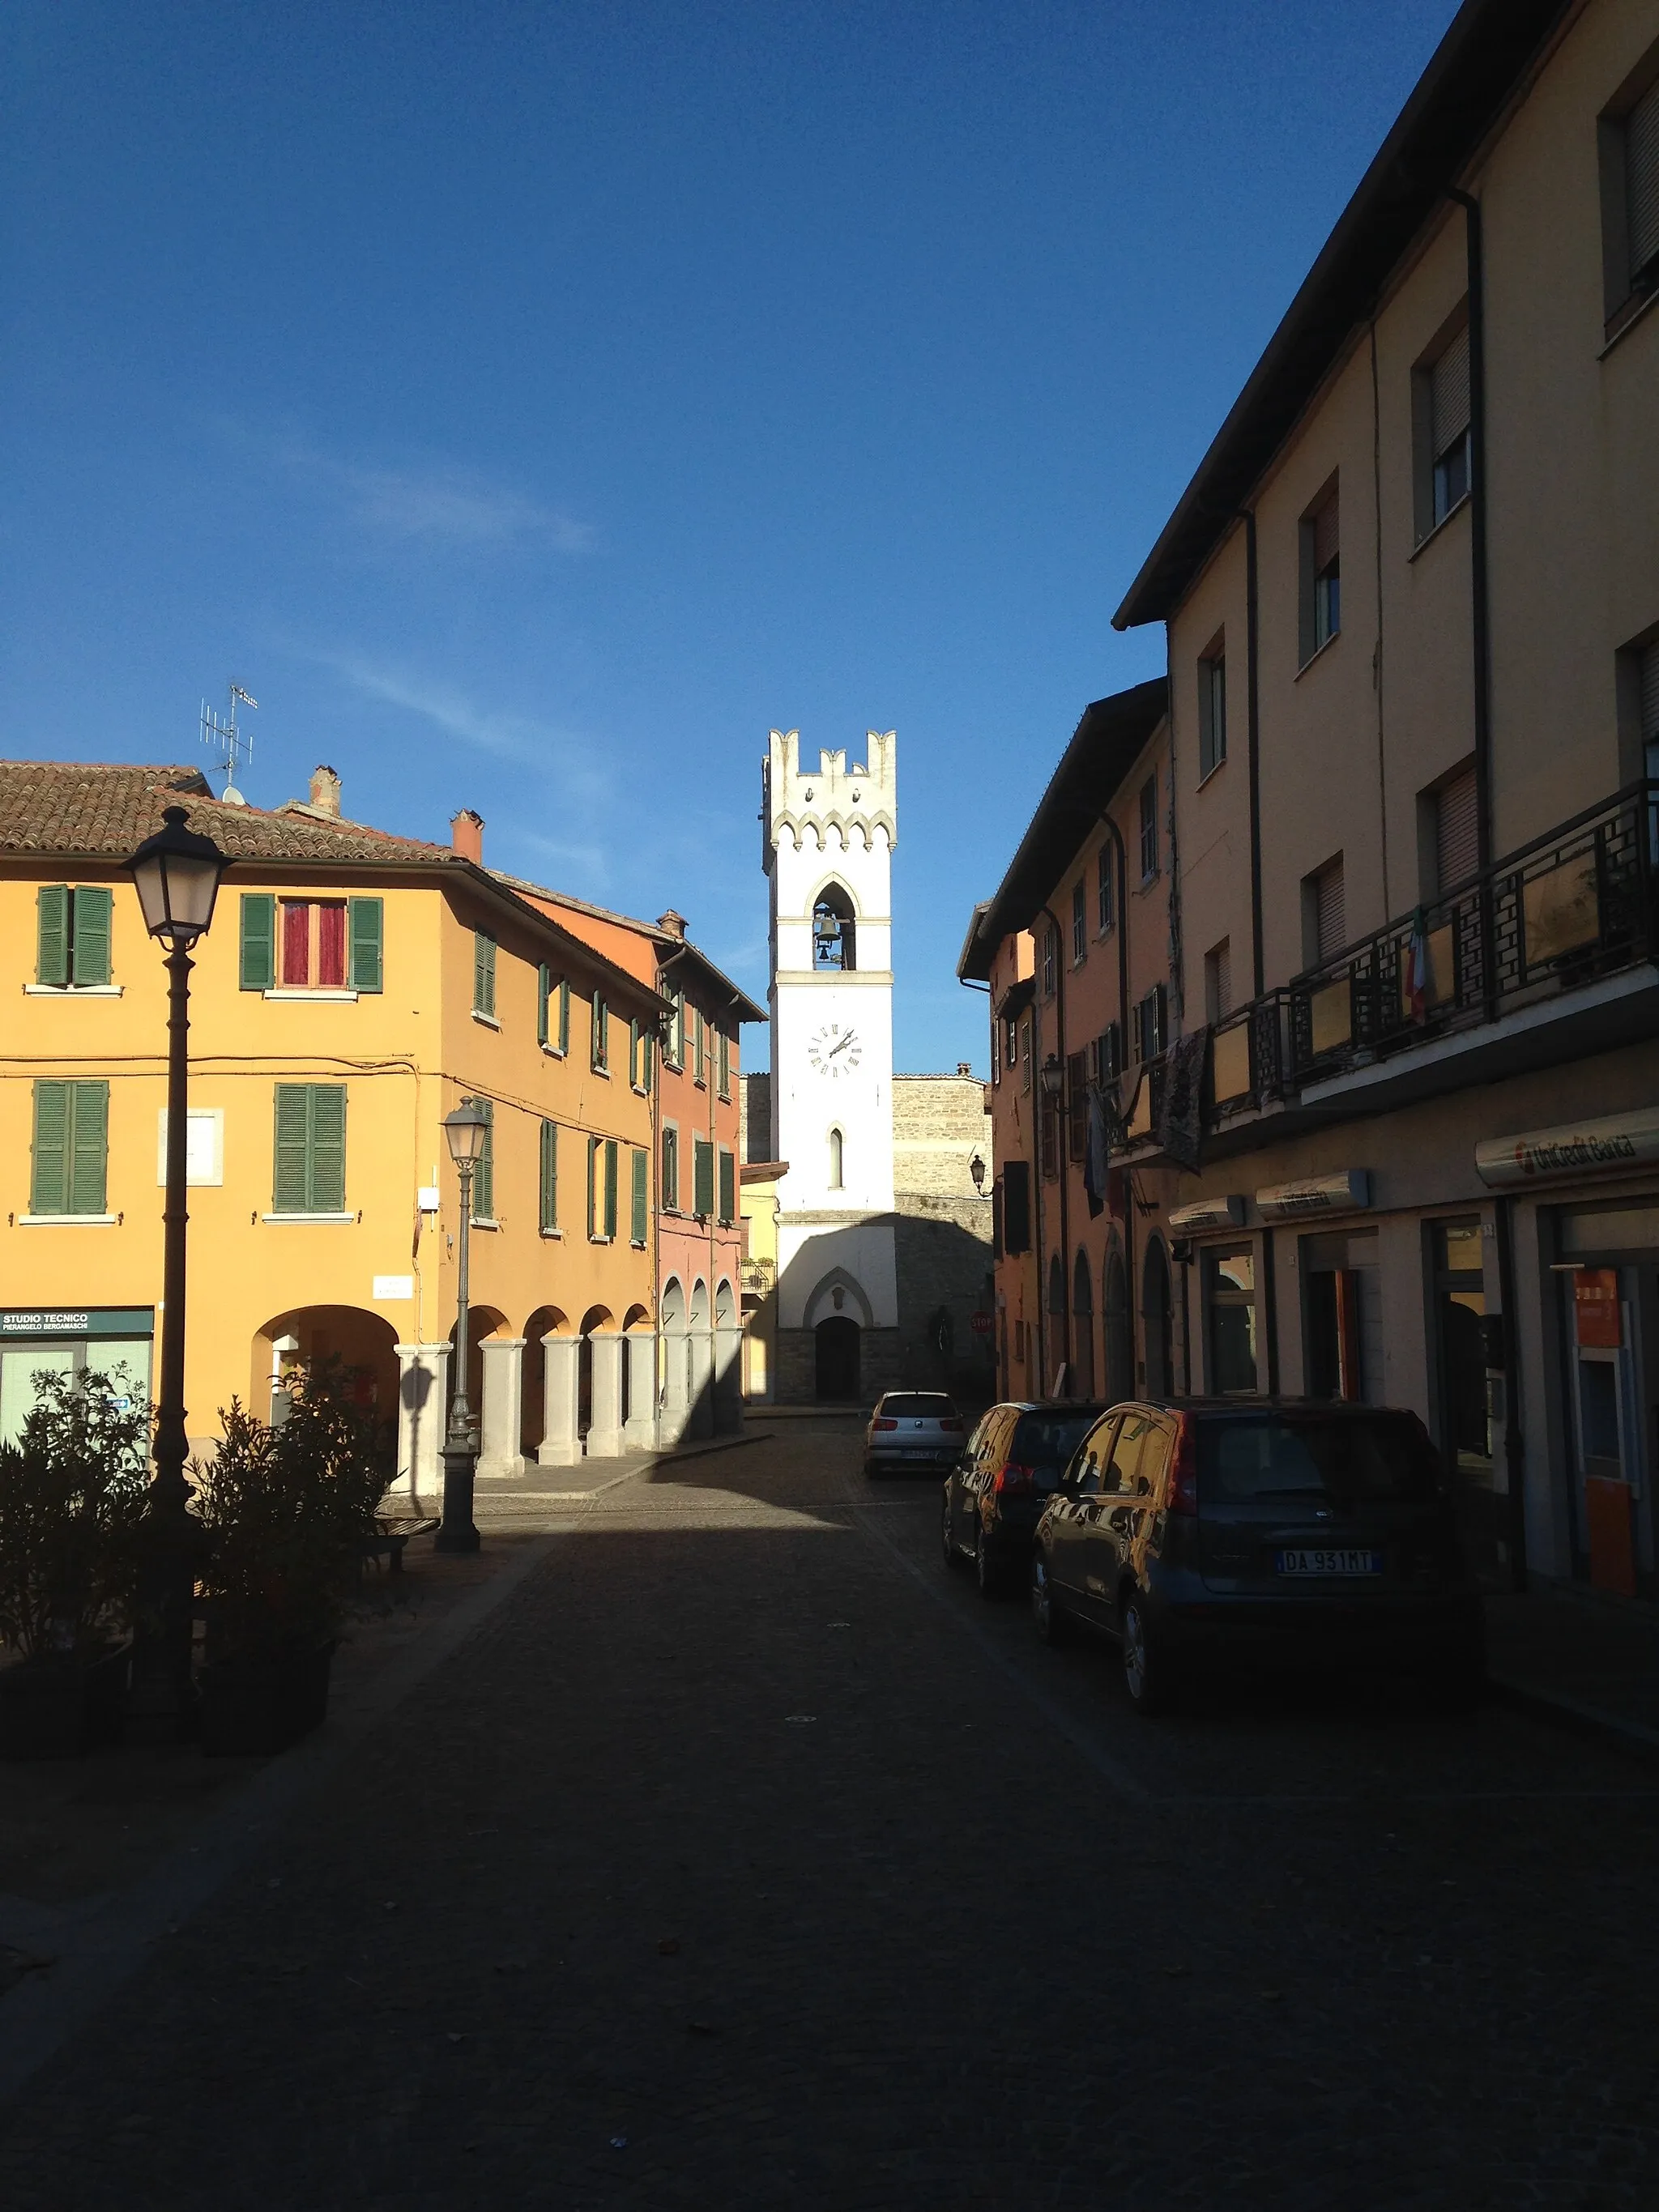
x=832, y=929
x=835, y=1178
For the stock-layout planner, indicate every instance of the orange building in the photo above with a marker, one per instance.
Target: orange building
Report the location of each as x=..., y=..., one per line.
x=354, y=986
x=697, y=1146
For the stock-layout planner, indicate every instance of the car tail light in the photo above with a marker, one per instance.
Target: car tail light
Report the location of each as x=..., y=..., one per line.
x=883, y=1425
x=1015, y=1482
x=1183, y=1469
x=951, y=1428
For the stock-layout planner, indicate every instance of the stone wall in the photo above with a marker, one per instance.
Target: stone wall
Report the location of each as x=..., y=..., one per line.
x=756, y=1136
x=939, y=1122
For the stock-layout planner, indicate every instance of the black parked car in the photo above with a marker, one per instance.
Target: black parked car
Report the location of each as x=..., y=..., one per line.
x=995, y=1494
x=1202, y=1529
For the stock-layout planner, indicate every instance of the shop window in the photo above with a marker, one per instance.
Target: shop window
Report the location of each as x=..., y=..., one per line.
x=1229, y=1306
x=1341, y=1287
x=1459, y=1307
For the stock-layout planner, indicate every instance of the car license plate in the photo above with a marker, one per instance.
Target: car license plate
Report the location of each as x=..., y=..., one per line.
x=1342, y=1561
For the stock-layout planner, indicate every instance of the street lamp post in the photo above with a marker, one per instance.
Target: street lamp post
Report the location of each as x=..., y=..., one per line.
x=466, y=1130
x=176, y=873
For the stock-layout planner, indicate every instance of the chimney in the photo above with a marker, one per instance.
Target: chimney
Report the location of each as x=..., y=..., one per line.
x=466, y=835
x=325, y=792
x=672, y=925
x=964, y=1067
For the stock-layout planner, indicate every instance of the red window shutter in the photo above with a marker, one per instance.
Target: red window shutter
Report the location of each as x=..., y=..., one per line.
x=331, y=945
x=296, y=943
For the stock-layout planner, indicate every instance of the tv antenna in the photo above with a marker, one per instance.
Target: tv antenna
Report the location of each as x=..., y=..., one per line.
x=231, y=745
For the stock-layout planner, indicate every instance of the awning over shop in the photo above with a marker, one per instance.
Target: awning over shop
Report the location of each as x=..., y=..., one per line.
x=1345, y=1193
x=1599, y=1147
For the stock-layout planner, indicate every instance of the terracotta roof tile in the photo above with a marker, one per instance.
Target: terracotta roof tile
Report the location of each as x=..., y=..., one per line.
x=100, y=809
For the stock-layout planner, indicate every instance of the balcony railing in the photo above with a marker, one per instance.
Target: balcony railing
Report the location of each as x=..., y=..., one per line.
x=1571, y=907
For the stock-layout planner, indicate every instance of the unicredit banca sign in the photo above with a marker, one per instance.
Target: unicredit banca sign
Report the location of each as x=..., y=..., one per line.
x=1620, y=1140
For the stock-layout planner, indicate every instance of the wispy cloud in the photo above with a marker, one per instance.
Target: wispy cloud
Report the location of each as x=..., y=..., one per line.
x=439, y=504
x=566, y=758
x=590, y=860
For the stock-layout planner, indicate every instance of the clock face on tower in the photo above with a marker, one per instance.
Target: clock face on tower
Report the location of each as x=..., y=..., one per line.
x=835, y=1049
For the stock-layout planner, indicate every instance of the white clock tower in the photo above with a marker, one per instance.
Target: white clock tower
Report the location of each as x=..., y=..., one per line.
x=830, y=830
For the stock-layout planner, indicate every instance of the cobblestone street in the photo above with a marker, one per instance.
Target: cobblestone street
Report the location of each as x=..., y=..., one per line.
x=744, y=1857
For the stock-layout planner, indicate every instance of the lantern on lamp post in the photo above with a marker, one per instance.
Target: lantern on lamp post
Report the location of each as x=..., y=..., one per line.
x=176, y=873
x=467, y=1132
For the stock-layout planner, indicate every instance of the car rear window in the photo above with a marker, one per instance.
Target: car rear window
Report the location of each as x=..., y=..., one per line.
x=916, y=1405
x=1353, y=1460
x=1045, y=1441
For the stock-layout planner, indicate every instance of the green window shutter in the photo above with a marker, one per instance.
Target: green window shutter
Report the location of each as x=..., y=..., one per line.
x=51, y=960
x=670, y=1169
x=89, y=1149
x=564, y=1015
x=641, y=1196
x=601, y=1031
x=633, y=1052
x=593, y=1185
x=368, y=928
x=49, y=1184
x=90, y=950
x=703, y=1165
x=326, y=1194
x=610, y=1185
x=290, y=1180
x=647, y=1054
x=550, y=1184
x=726, y=1065
x=728, y=1188
x=258, y=971
x=484, y=973
x=544, y=986
x=484, y=1169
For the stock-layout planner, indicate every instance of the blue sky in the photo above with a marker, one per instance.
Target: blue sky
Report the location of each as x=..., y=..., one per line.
x=533, y=406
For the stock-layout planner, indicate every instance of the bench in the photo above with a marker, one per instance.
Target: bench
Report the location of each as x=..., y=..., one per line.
x=388, y=1539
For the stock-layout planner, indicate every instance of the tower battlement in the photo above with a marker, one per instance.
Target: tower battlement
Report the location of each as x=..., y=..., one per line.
x=831, y=803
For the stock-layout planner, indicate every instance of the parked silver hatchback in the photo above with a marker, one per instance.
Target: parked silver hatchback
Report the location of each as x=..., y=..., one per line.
x=914, y=1430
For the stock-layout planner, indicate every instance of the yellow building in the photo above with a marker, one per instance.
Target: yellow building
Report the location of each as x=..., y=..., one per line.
x=353, y=988
x=759, y=1178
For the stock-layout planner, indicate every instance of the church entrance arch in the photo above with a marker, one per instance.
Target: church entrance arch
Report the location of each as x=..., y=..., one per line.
x=835, y=1341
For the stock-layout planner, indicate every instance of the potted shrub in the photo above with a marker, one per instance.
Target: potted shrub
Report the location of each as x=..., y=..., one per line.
x=285, y=1511
x=72, y=1492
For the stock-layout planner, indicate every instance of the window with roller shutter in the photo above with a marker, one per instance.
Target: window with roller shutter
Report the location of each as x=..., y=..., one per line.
x=1457, y=832
x=309, y=1171
x=1650, y=697
x=1324, y=913
x=1630, y=202
x=1449, y=427
x=71, y=1153
x=1322, y=574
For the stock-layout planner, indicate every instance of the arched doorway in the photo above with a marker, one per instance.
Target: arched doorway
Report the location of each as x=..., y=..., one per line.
x=836, y=1341
x=360, y=1348
x=1155, y=1320
x=1083, y=1330
x=546, y=1321
x=1120, y=1337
